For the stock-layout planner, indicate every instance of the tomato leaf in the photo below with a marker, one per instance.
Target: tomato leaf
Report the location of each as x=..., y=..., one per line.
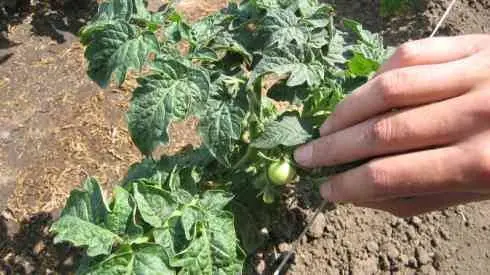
x=155, y=205
x=289, y=131
x=82, y=233
x=175, y=91
x=116, y=49
x=121, y=213
x=221, y=127
x=293, y=64
x=361, y=66
x=87, y=204
x=141, y=259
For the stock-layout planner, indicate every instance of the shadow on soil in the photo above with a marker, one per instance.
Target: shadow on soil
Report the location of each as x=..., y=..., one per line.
x=27, y=248
x=58, y=19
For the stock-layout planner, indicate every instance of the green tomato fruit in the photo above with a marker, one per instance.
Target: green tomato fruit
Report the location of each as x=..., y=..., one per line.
x=268, y=197
x=281, y=173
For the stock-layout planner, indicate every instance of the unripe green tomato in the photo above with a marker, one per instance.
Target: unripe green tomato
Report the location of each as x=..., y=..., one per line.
x=246, y=136
x=281, y=173
x=268, y=197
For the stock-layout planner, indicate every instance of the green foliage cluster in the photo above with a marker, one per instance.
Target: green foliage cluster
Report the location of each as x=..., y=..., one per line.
x=194, y=213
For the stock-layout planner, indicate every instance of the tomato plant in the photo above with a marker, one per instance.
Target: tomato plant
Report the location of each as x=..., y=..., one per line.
x=194, y=212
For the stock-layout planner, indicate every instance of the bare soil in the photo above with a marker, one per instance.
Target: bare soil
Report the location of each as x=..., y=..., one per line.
x=56, y=126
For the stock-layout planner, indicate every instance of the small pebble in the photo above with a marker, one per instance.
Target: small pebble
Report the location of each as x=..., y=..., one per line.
x=422, y=255
x=372, y=247
x=391, y=251
x=412, y=262
x=316, y=229
x=284, y=247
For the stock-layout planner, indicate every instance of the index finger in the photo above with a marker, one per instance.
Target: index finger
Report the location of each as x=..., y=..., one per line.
x=412, y=85
x=435, y=50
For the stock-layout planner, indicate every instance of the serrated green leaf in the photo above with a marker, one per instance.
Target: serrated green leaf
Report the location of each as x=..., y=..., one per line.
x=155, y=205
x=207, y=29
x=361, y=66
x=336, y=49
x=370, y=45
x=87, y=204
x=148, y=259
x=283, y=28
x=222, y=238
x=121, y=9
x=221, y=127
x=285, y=62
x=214, y=251
x=146, y=169
x=289, y=131
x=121, y=212
x=190, y=217
x=116, y=49
x=174, y=92
x=196, y=258
x=226, y=42
x=215, y=200
x=82, y=233
x=110, y=12
x=171, y=237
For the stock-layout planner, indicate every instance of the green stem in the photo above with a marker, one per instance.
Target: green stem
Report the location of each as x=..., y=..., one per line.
x=251, y=152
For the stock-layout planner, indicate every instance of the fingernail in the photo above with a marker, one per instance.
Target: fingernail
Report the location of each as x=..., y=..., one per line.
x=326, y=191
x=303, y=155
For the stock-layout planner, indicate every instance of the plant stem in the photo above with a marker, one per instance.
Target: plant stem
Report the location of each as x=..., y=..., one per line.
x=251, y=152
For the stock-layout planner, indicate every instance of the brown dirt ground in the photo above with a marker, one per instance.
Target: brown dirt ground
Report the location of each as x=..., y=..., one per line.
x=56, y=126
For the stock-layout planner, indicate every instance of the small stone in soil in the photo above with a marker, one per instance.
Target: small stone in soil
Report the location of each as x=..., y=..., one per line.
x=416, y=221
x=316, y=229
x=434, y=242
x=39, y=247
x=330, y=228
x=423, y=257
x=284, y=247
x=437, y=260
x=411, y=233
x=368, y=266
x=372, y=247
x=428, y=270
x=412, y=262
x=391, y=251
x=260, y=268
x=403, y=259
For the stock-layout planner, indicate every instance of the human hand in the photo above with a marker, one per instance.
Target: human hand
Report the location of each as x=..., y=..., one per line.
x=434, y=148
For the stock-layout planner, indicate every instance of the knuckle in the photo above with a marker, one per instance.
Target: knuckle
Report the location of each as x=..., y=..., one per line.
x=407, y=52
x=389, y=85
x=483, y=162
x=378, y=177
x=381, y=132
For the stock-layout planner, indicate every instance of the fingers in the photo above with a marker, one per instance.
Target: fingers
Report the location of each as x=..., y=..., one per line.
x=419, y=205
x=426, y=172
x=431, y=125
x=435, y=50
x=411, y=86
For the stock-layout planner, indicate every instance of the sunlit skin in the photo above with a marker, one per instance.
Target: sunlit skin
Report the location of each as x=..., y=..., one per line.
x=423, y=120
